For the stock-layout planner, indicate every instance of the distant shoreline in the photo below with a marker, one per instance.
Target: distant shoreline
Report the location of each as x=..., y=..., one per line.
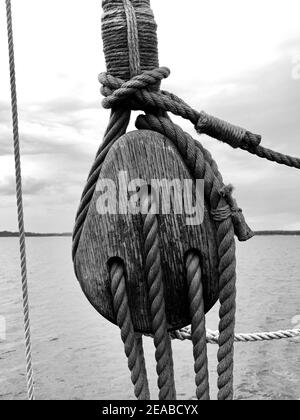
x=7, y=234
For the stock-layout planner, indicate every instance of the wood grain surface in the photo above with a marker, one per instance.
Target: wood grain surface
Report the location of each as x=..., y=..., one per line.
x=146, y=155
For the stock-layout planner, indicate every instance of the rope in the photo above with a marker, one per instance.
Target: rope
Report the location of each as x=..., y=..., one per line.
x=117, y=126
x=128, y=32
x=227, y=297
x=215, y=192
x=132, y=342
x=213, y=337
x=14, y=106
x=144, y=99
x=198, y=332
x=132, y=83
x=132, y=39
x=153, y=268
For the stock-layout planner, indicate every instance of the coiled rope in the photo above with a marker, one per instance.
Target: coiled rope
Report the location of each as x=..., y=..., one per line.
x=19, y=196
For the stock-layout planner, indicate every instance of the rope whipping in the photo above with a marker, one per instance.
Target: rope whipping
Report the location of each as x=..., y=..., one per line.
x=19, y=196
x=154, y=274
x=198, y=330
x=132, y=342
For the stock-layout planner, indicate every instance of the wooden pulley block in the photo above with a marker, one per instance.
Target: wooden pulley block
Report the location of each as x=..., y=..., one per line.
x=146, y=158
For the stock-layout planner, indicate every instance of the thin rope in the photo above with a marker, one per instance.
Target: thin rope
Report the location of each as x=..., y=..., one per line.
x=198, y=331
x=212, y=337
x=19, y=196
x=132, y=342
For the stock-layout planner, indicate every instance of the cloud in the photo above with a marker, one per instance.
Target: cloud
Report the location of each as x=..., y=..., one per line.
x=59, y=138
x=31, y=186
x=266, y=101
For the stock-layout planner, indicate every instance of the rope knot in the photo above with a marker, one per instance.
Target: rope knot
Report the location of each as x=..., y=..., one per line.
x=231, y=209
x=117, y=91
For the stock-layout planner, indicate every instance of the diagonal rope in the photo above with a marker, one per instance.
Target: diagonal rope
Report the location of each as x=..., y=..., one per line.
x=118, y=91
x=14, y=107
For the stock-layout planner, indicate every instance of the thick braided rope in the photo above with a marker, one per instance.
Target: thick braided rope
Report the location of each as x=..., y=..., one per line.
x=227, y=297
x=132, y=343
x=132, y=39
x=200, y=168
x=14, y=106
x=212, y=337
x=198, y=331
x=235, y=136
x=153, y=268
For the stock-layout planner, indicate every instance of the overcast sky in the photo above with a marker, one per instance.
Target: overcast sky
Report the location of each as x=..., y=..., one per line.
x=239, y=60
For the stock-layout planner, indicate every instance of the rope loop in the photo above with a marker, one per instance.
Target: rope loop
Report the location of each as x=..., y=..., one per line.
x=117, y=91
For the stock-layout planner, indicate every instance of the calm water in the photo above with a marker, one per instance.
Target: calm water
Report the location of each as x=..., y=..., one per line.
x=78, y=355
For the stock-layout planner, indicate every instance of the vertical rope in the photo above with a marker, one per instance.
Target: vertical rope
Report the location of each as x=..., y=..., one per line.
x=162, y=340
x=129, y=34
x=227, y=272
x=132, y=342
x=133, y=39
x=14, y=107
x=198, y=330
x=201, y=166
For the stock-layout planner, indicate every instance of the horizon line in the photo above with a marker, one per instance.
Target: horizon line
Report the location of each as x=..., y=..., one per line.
x=7, y=233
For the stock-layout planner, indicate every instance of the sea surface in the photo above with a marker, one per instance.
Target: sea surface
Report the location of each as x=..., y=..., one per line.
x=78, y=355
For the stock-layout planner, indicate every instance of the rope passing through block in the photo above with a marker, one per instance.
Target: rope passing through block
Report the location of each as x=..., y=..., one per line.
x=132, y=82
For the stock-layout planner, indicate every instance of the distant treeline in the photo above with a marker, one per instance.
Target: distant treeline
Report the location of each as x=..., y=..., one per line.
x=278, y=232
x=6, y=234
